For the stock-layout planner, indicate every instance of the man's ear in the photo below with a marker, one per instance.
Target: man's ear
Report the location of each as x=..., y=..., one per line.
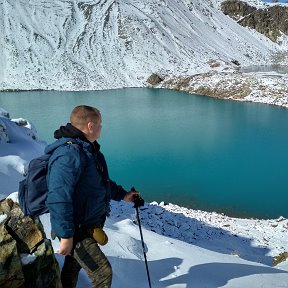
x=90, y=125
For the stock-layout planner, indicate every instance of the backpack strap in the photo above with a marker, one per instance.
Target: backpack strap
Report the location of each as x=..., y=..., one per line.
x=83, y=156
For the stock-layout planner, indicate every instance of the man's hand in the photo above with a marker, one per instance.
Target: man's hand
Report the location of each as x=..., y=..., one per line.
x=66, y=246
x=129, y=197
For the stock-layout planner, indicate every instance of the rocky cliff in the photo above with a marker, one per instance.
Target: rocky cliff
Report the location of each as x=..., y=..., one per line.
x=271, y=21
x=26, y=256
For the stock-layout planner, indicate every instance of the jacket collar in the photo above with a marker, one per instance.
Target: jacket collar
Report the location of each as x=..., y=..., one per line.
x=70, y=131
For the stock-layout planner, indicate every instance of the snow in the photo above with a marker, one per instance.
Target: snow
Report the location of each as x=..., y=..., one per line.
x=27, y=258
x=184, y=247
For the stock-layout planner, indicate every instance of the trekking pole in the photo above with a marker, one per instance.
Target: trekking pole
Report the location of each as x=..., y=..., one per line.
x=138, y=202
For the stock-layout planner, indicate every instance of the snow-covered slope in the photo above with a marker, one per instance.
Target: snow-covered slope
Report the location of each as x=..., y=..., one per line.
x=100, y=44
x=18, y=145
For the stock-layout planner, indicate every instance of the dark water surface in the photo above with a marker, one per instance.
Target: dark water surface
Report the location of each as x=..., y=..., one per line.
x=194, y=151
x=281, y=69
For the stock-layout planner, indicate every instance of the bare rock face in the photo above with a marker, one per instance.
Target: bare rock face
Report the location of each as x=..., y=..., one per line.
x=26, y=256
x=154, y=79
x=271, y=21
x=4, y=138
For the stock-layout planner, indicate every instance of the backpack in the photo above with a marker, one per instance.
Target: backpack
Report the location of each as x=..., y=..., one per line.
x=33, y=189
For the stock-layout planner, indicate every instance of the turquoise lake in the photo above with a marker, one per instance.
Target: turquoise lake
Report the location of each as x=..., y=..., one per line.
x=194, y=151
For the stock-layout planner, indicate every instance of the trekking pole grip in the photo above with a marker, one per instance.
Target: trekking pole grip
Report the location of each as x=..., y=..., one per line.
x=138, y=200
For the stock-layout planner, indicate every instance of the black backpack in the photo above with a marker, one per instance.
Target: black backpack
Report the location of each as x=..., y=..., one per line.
x=33, y=190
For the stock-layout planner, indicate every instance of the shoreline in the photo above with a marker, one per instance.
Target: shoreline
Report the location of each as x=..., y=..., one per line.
x=265, y=88
x=256, y=87
x=198, y=227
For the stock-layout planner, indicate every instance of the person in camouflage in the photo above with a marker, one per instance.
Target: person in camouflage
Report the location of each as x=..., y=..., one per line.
x=87, y=255
x=79, y=194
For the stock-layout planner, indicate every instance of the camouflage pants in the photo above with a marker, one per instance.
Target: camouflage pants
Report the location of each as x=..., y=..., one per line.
x=87, y=255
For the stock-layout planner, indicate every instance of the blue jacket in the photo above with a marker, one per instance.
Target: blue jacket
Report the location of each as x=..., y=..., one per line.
x=79, y=188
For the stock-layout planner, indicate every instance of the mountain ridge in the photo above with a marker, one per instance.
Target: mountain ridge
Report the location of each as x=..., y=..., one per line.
x=106, y=44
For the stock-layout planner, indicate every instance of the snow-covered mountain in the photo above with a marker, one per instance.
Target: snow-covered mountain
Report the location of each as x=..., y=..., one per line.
x=101, y=44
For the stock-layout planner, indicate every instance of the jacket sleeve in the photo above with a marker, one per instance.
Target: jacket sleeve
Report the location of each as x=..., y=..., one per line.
x=117, y=191
x=64, y=172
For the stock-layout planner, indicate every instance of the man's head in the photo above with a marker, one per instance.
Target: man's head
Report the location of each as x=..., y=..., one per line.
x=88, y=120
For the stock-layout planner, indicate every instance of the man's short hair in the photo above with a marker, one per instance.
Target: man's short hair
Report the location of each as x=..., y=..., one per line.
x=83, y=114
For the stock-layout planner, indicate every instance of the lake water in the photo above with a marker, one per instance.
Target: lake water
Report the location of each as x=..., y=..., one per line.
x=198, y=152
x=281, y=69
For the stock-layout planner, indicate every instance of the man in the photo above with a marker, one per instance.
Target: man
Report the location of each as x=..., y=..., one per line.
x=79, y=195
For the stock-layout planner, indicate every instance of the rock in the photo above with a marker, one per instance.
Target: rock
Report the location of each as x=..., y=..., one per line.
x=213, y=63
x=4, y=113
x=280, y=258
x=225, y=85
x=4, y=138
x=8, y=254
x=21, y=122
x=26, y=256
x=154, y=79
x=237, y=9
x=271, y=21
x=235, y=62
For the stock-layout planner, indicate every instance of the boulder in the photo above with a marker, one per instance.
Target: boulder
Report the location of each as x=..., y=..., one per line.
x=4, y=113
x=4, y=138
x=26, y=255
x=154, y=79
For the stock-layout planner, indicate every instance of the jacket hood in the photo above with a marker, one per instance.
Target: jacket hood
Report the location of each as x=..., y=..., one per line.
x=69, y=133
